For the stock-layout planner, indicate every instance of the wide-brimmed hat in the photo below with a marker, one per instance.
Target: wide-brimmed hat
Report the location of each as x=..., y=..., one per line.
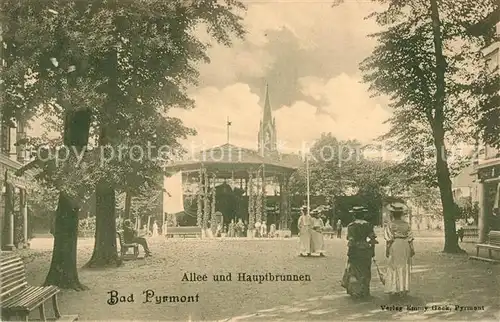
x=358, y=209
x=396, y=207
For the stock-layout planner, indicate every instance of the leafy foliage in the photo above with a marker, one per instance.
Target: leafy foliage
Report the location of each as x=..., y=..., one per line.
x=426, y=198
x=403, y=67
x=427, y=64
x=128, y=63
x=339, y=168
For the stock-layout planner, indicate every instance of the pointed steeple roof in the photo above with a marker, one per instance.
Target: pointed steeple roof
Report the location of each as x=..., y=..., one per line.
x=268, y=117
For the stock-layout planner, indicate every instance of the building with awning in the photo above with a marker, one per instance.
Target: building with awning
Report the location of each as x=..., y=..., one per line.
x=13, y=200
x=487, y=167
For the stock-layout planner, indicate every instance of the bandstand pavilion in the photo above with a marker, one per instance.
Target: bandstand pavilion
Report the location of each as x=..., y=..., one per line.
x=242, y=175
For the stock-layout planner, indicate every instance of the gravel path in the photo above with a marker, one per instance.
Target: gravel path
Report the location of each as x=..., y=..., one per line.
x=438, y=279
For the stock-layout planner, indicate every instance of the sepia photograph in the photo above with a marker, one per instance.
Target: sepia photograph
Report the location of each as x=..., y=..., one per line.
x=250, y=160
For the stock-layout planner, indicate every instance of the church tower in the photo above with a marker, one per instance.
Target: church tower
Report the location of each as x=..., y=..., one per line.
x=267, y=130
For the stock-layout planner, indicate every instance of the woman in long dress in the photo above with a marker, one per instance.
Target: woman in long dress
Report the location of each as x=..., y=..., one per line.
x=305, y=225
x=361, y=248
x=318, y=242
x=399, y=251
x=155, y=229
x=231, y=229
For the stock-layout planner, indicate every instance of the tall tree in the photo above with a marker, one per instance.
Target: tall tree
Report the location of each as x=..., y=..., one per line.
x=97, y=63
x=148, y=68
x=421, y=66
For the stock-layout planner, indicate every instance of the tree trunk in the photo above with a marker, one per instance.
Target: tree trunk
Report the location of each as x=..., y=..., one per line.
x=105, y=248
x=63, y=272
x=128, y=204
x=437, y=124
x=445, y=189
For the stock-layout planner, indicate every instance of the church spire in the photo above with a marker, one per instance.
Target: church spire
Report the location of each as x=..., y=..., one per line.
x=267, y=132
x=268, y=117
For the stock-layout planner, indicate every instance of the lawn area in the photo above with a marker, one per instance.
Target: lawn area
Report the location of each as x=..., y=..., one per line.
x=437, y=279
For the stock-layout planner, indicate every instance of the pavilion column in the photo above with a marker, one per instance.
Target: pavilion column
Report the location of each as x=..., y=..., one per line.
x=206, y=205
x=213, y=220
x=251, y=214
x=24, y=212
x=283, y=202
x=9, y=217
x=258, y=198
x=482, y=224
x=288, y=201
x=199, y=210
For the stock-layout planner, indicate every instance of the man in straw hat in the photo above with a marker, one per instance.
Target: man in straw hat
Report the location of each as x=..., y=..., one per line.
x=399, y=251
x=361, y=243
x=305, y=225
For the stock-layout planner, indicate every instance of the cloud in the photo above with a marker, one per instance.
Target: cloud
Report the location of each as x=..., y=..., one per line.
x=287, y=40
x=346, y=100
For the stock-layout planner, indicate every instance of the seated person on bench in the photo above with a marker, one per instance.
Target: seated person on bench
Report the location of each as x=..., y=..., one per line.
x=460, y=229
x=130, y=236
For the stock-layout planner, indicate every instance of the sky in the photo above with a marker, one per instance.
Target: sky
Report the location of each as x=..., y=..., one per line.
x=308, y=54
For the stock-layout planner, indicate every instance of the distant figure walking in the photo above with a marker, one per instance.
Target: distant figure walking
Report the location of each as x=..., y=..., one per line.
x=399, y=251
x=361, y=249
x=305, y=226
x=231, y=229
x=256, y=232
x=339, y=228
x=155, y=229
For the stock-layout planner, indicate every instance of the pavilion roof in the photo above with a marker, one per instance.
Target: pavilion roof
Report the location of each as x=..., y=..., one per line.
x=233, y=158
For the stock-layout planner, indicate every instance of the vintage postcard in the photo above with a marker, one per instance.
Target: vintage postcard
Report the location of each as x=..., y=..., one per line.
x=250, y=160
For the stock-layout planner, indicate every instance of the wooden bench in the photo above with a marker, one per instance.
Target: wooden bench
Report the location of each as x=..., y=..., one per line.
x=184, y=231
x=493, y=244
x=19, y=298
x=471, y=233
x=124, y=248
x=329, y=233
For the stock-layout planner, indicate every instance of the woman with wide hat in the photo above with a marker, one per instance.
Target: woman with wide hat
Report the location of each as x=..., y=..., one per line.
x=361, y=244
x=317, y=241
x=399, y=251
x=305, y=224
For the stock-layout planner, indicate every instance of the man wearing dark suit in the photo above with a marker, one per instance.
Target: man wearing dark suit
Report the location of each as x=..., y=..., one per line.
x=130, y=236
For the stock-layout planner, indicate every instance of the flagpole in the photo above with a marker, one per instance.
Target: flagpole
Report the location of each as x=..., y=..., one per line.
x=308, y=187
x=227, y=134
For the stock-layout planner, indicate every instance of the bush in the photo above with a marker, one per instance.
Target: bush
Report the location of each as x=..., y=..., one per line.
x=86, y=227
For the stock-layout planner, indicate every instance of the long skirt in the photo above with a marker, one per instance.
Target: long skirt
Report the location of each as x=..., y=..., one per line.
x=397, y=278
x=317, y=242
x=358, y=273
x=305, y=241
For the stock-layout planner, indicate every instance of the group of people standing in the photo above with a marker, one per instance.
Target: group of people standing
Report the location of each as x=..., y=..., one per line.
x=361, y=251
x=311, y=228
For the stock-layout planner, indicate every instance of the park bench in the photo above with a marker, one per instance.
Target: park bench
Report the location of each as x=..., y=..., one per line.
x=493, y=244
x=124, y=247
x=184, y=231
x=471, y=233
x=19, y=298
x=329, y=233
